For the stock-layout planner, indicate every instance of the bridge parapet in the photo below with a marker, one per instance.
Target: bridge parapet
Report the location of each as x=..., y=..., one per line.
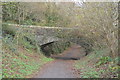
x=46, y=34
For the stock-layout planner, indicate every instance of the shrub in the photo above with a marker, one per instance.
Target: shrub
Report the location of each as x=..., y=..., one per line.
x=103, y=60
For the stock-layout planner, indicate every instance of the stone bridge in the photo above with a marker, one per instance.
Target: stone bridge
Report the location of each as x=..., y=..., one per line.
x=45, y=35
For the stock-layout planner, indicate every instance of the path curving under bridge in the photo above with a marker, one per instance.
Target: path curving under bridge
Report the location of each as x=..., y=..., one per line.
x=62, y=67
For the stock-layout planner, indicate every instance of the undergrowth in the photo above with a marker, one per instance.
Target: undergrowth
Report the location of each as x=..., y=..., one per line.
x=98, y=64
x=20, y=58
x=22, y=65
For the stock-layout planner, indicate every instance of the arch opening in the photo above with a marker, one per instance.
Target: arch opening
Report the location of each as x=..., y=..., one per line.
x=63, y=50
x=54, y=48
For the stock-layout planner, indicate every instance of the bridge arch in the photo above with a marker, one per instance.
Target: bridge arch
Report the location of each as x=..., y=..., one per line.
x=47, y=37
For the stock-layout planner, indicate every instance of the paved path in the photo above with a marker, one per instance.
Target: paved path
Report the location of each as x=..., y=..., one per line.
x=57, y=69
x=62, y=67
